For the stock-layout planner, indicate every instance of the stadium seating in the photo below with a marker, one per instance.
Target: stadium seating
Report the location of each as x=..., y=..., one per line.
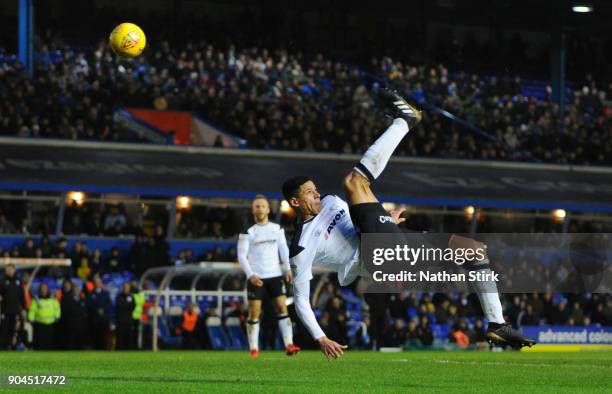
x=216, y=333
x=237, y=337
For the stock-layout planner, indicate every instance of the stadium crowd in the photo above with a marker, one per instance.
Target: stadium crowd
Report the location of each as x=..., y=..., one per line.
x=388, y=320
x=280, y=99
x=384, y=320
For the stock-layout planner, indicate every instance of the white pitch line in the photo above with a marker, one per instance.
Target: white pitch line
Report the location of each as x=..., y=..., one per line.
x=516, y=364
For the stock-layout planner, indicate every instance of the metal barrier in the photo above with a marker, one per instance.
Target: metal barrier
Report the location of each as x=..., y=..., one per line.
x=197, y=270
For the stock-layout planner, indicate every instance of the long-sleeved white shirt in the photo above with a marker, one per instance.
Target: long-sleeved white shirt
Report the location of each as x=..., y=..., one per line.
x=328, y=240
x=262, y=249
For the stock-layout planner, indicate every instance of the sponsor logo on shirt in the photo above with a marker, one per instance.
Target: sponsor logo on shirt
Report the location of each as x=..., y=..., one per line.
x=333, y=223
x=385, y=219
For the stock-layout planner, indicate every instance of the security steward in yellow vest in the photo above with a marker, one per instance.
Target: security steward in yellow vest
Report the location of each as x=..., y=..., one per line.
x=139, y=300
x=44, y=313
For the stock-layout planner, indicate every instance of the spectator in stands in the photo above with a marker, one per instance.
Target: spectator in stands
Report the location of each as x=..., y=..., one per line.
x=61, y=247
x=398, y=305
x=161, y=247
x=458, y=335
x=72, y=327
x=84, y=252
x=137, y=256
x=560, y=314
x=425, y=331
x=99, y=308
x=44, y=313
x=124, y=309
x=12, y=307
x=95, y=261
x=478, y=335
x=396, y=334
x=217, y=230
x=231, y=255
x=413, y=340
x=218, y=254
x=189, y=256
x=73, y=224
x=75, y=255
x=28, y=249
x=46, y=246
x=90, y=220
x=15, y=251
x=152, y=257
x=602, y=313
x=577, y=313
x=84, y=271
x=6, y=227
x=378, y=307
x=527, y=317
x=337, y=319
x=208, y=256
x=188, y=327
x=442, y=314
x=66, y=288
x=115, y=222
x=114, y=263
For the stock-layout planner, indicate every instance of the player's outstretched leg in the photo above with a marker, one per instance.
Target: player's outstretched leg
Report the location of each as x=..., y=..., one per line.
x=375, y=159
x=498, y=331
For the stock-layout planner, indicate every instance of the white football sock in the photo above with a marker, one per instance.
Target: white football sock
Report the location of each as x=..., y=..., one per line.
x=286, y=328
x=253, y=334
x=492, y=307
x=489, y=297
x=378, y=154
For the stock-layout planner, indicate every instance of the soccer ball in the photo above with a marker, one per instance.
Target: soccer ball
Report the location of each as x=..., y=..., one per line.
x=127, y=40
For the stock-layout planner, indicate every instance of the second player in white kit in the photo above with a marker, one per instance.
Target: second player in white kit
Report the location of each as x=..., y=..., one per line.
x=264, y=257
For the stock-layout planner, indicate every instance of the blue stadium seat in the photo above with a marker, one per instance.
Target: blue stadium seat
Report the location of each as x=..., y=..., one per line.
x=237, y=337
x=412, y=313
x=440, y=331
x=177, y=300
x=355, y=315
x=349, y=297
x=353, y=326
x=216, y=333
x=164, y=333
x=78, y=282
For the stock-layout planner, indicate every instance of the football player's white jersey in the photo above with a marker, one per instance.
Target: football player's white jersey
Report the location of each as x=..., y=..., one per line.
x=328, y=240
x=261, y=250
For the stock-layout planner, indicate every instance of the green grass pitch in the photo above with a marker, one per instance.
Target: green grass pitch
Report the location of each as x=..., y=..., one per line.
x=174, y=372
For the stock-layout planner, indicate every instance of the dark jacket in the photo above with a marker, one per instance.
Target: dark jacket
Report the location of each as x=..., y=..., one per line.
x=99, y=304
x=13, y=298
x=124, y=308
x=73, y=311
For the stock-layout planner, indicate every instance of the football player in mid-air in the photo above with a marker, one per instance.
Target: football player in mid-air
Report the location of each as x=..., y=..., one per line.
x=261, y=250
x=328, y=231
